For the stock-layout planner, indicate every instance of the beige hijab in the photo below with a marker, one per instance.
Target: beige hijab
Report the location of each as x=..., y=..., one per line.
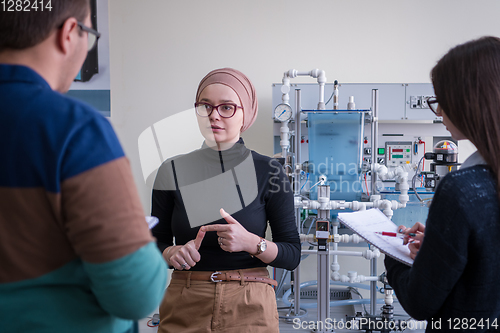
x=237, y=81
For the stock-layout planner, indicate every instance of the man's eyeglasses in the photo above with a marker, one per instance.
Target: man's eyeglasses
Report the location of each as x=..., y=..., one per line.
x=92, y=35
x=225, y=110
x=433, y=104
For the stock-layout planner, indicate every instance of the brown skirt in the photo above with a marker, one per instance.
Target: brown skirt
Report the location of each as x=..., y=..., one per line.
x=223, y=307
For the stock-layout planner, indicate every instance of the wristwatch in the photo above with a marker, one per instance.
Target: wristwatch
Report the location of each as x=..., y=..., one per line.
x=261, y=247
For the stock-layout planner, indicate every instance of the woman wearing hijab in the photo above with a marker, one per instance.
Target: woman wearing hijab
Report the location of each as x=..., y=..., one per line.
x=453, y=283
x=216, y=202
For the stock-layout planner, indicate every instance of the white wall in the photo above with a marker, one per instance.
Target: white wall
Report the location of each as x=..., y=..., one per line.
x=160, y=50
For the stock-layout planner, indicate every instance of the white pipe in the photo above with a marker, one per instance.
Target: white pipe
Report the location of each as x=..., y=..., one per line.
x=321, y=82
x=367, y=254
x=400, y=174
x=335, y=266
x=335, y=95
x=297, y=136
x=386, y=206
x=354, y=238
x=315, y=73
x=285, y=89
x=353, y=277
x=374, y=140
x=389, y=299
x=285, y=139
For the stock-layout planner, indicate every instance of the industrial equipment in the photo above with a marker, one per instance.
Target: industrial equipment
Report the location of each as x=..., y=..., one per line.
x=337, y=160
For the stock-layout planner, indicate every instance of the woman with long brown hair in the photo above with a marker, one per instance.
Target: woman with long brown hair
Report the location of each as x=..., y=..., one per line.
x=454, y=281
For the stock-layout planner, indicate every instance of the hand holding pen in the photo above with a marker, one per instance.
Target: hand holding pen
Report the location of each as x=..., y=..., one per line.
x=415, y=241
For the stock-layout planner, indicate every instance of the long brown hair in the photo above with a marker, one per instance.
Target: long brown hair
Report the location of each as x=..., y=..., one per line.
x=467, y=85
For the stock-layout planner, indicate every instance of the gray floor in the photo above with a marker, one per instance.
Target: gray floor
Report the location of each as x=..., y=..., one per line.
x=307, y=322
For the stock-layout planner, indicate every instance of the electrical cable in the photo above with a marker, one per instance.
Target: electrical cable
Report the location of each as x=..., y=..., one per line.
x=303, y=197
x=302, y=226
x=333, y=93
x=313, y=186
x=366, y=185
x=414, y=178
x=356, y=291
x=423, y=163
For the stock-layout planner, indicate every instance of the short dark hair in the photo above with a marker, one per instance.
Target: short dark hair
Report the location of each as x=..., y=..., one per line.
x=467, y=86
x=23, y=29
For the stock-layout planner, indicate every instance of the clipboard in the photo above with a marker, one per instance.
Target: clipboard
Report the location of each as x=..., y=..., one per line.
x=366, y=222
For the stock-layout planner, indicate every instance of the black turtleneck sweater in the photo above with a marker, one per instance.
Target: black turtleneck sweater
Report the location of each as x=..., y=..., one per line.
x=190, y=189
x=454, y=283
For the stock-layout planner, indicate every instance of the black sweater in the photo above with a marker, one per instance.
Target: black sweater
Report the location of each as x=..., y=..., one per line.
x=456, y=273
x=263, y=195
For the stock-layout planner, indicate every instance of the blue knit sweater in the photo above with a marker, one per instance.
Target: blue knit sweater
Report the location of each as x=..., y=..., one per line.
x=455, y=279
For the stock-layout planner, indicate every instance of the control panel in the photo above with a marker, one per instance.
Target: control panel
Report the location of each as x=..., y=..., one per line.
x=397, y=153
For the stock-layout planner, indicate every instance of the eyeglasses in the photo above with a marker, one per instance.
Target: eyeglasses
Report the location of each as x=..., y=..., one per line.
x=225, y=110
x=92, y=35
x=433, y=104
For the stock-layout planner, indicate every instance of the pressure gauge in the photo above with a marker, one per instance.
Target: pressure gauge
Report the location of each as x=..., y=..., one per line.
x=283, y=112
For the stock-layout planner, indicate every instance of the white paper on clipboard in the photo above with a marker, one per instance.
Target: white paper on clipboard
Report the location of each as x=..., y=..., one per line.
x=367, y=222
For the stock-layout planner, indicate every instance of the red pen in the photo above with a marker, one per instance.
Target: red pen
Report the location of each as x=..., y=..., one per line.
x=394, y=234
